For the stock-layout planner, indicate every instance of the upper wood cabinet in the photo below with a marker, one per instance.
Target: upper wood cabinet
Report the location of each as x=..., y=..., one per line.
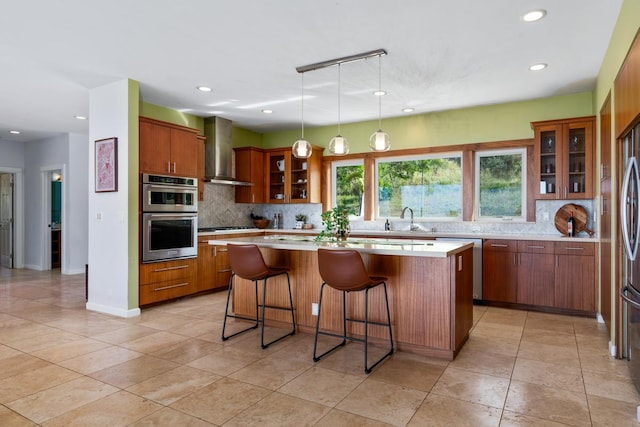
x=564, y=158
x=292, y=180
x=168, y=149
x=250, y=168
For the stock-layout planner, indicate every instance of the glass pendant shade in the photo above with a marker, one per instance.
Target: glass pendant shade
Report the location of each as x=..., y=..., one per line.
x=339, y=145
x=379, y=141
x=302, y=149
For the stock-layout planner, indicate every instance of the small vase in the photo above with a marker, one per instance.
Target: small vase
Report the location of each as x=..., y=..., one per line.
x=342, y=235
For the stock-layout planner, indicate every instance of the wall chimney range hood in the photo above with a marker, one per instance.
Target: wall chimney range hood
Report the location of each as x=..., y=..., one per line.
x=218, y=152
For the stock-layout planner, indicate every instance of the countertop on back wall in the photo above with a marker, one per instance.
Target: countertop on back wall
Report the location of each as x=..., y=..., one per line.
x=422, y=234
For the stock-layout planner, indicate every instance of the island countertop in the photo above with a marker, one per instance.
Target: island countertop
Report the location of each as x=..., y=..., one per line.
x=378, y=246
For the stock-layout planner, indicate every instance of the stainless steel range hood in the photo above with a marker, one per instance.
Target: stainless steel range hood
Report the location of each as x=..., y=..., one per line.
x=218, y=152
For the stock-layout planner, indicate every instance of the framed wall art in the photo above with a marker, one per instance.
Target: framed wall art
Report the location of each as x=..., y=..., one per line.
x=106, y=165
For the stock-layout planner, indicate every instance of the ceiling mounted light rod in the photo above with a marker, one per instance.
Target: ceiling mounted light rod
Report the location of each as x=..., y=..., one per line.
x=379, y=140
x=302, y=148
x=339, y=144
x=343, y=60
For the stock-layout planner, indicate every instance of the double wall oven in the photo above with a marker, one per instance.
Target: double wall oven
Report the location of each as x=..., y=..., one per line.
x=169, y=217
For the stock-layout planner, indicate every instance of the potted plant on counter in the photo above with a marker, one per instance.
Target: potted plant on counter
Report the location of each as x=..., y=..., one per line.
x=301, y=220
x=336, y=225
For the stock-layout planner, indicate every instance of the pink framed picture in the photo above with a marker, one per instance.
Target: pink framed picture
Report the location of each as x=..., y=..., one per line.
x=106, y=157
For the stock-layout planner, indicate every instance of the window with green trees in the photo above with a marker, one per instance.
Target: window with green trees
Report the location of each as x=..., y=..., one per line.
x=500, y=184
x=430, y=185
x=348, y=177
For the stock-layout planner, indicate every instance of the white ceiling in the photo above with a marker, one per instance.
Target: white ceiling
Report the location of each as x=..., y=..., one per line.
x=441, y=55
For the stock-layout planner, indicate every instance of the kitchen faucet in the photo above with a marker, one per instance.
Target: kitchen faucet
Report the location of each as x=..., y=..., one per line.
x=412, y=226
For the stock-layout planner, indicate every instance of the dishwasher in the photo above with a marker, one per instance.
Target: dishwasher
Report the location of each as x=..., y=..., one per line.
x=477, y=264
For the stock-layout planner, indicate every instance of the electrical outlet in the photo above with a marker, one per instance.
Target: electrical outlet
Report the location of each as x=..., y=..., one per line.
x=314, y=309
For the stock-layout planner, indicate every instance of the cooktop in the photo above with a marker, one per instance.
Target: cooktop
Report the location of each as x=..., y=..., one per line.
x=224, y=228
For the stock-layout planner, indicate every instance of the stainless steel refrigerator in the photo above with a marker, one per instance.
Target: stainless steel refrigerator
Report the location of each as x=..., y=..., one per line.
x=630, y=225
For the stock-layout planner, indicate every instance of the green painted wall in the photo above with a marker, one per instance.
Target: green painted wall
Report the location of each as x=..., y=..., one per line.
x=171, y=116
x=243, y=137
x=133, y=197
x=478, y=124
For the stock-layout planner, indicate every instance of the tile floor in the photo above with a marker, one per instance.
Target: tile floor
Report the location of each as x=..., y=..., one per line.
x=61, y=365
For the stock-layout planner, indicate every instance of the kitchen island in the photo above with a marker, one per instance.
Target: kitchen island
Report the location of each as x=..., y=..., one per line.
x=430, y=289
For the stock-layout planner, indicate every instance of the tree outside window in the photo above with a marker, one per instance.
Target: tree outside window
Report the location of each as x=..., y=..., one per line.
x=349, y=186
x=500, y=184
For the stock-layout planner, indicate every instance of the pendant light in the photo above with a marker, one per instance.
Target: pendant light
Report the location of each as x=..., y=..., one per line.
x=379, y=140
x=302, y=148
x=339, y=144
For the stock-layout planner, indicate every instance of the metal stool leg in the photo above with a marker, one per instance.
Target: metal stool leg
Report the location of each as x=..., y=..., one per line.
x=343, y=336
x=367, y=369
x=226, y=313
x=265, y=306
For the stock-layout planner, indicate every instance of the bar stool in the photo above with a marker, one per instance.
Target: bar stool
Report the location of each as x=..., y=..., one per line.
x=247, y=263
x=344, y=271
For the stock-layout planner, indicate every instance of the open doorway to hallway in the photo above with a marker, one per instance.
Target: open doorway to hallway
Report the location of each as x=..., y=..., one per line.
x=6, y=220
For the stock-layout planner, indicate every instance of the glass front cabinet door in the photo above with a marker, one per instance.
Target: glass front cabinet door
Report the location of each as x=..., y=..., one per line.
x=564, y=158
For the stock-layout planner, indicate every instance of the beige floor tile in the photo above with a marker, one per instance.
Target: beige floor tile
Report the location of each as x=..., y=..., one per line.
x=504, y=316
x=589, y=326
x=322, y=386
x=166, y=321
x=89, y=326
x=603, y=362
x=33, y=381
x=593, y=344
x=21, y=331
x=50, y=403
x=271, y=372
x=187, y=351
x=542, y=336
x=495, y=364
x=20, y=364
x=561, y=355
x=98, y=360
x=173, y=385
x=608, y=412
x=512, y=419
x=280, y=410
x=408, y=373
x=9, y=418
x=7, y=352
x=170, y=417
x=610, y=386
x=118, y=409
x=348, y=359
x=444, y=411
x=384, y=402
x=151, y=343
x=224, y=362
x=492, y=345
x=337, y=418
x=193, y=328
x=510, y=332
x=472, y=387
x=548, y=403
x=69, y=350
x=549, y=375
x=41, y=342
x=220, y=401
x=551, y=323
x=133, y=371
x=127, y=333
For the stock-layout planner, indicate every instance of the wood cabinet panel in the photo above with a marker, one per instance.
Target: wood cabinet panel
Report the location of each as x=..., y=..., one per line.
x=499, y=270
x=165, y=280
x=206, y=264
x=298, y=182
x=168, y=149
x=627, y=89
x=250, y=168
x=536, y=277
x=166, y=270
x=575, y=286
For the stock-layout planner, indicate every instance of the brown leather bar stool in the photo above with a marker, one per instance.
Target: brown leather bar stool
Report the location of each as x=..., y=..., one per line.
x=344, y=271
x=247, y=262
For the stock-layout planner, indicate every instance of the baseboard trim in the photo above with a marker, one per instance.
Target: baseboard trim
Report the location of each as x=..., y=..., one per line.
x=113, y=310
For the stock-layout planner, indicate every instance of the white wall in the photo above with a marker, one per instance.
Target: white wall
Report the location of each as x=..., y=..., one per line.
x=75, y=239
x=108, y=212
x=11, y=154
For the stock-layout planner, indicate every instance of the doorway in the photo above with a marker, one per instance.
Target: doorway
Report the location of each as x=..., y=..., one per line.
x=53, y=219
x=6, y=220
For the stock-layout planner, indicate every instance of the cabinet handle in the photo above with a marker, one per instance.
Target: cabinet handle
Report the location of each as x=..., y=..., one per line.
x=557, y=261
x=171, y=287
x=174, y=167
x=496, y=245
x=515, y=259
x=177, y=267
x=535, y=247
x=168, y=167
x=574, y=249
x=224, y=270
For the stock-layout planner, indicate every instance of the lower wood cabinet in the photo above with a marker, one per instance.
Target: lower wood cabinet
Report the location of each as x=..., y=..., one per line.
x=166, y=280
x=558, y=275
x=206, y=264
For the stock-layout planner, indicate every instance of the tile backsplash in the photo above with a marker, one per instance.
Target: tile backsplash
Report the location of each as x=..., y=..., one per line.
x=220, y=209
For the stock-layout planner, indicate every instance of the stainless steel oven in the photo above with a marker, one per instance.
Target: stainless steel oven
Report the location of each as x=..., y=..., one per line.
x=168, y=236
x=169, y=217
x=161, y=193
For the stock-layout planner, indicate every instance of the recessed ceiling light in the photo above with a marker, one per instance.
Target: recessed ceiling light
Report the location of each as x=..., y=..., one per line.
x=538, y=67
x=80, y=117
x=267, y=111
x=15, y=132
x=203, y=88
x=379, y=93
x=534, y=15
x=407, y=110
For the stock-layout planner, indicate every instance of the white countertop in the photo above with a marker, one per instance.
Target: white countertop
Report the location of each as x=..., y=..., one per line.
x=401, y=247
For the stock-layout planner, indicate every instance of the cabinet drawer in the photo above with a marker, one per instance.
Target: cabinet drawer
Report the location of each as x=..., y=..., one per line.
x=166, y=290
x=497, y=245
x=574, y=248
x=167, y=270
x=535, y=247
x=222, y=259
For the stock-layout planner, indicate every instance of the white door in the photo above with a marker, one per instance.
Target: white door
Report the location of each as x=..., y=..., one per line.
x=6, y=220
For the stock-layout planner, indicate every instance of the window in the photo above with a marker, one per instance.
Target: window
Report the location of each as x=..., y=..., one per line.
x=348, y=188
x=501, y=184
x=430, y=185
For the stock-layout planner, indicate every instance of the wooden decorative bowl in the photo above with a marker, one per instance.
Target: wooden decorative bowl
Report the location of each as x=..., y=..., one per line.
x=261, y=223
